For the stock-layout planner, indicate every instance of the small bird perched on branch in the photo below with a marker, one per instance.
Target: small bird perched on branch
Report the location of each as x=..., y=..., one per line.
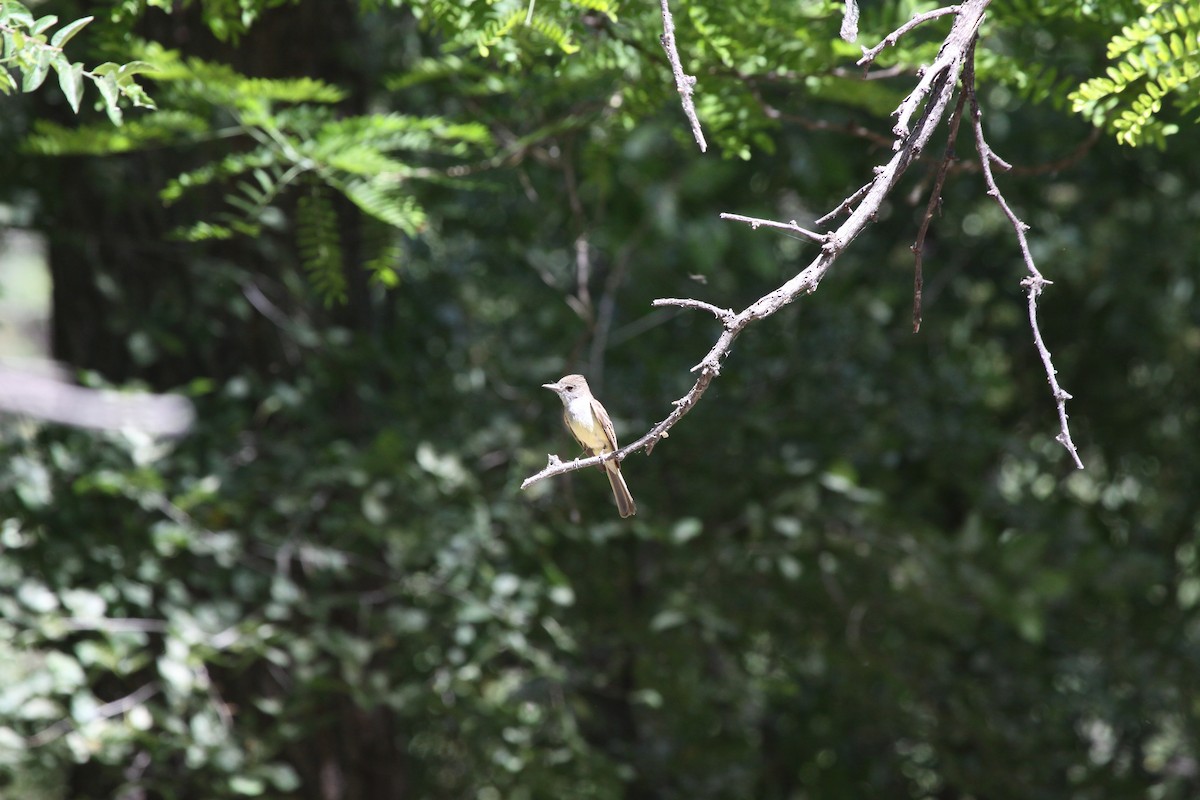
x=589, y=423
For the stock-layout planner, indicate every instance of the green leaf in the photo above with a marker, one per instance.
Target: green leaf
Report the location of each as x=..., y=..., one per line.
x=135, y=93
x=48, y=21
x=16, y=14
x=36, y=597
x=292, y=90
x=319, y=243
x=388, y=203
x=364, y=160
x=667, y=619
x=34, y=77
x=686, y=529
x=70, y=80
x=283, y=776
x=204, y=231
x=243, y=784
x=600, y=6
x=68, y=31
x=103, y=139
x=127, y=71
x=107, y=84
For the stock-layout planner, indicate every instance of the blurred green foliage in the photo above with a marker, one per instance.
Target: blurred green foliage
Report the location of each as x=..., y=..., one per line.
x=861, y=567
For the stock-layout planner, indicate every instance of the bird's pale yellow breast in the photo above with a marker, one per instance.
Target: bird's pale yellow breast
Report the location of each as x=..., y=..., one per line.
x=584, y=426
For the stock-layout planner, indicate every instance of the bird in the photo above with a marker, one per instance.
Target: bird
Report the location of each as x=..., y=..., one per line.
x=589, y=423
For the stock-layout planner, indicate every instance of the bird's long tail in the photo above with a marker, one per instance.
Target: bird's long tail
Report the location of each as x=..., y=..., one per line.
x=625, y=505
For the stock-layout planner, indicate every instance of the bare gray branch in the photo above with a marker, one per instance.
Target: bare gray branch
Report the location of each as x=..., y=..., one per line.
x=684, y=83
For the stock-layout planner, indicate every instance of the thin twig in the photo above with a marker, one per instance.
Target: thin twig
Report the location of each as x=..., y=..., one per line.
x=869, y=55
x=771, y=112
x=877, y=75
x=581, y=301
x=685, y=84
x=935, y=204
x=753, y=82
x=117, y=624
x=850, y=127
x=119, y=706
x=755, y=222
x=844, y=206
x=214, y=696
x=1035, y=282
x=725, y=315
x=793, y=76
x=606, y=307
x=1046, y=167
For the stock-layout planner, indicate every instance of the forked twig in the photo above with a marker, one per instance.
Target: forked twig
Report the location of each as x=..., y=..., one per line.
x=869, y=55
x=1035, y=282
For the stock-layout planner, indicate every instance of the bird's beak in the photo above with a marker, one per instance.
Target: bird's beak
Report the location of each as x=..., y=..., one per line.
x=554, y=387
